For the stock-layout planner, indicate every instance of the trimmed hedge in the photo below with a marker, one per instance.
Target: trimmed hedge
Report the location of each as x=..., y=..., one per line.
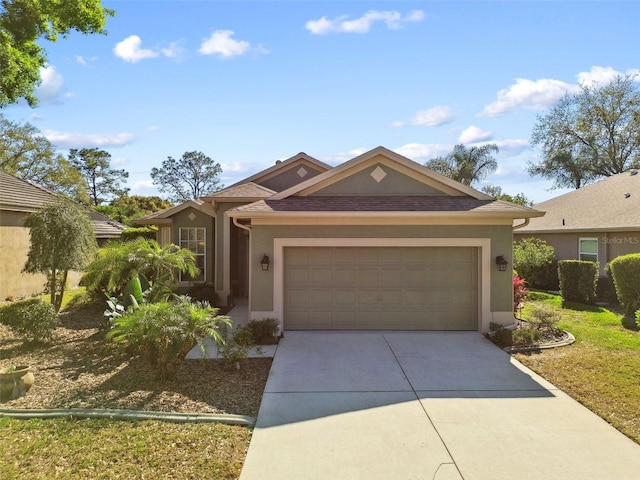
x=129, y=234
x=578, y=280
x=625, y=271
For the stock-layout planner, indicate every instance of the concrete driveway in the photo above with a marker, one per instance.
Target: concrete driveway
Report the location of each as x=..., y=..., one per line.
x=423, y=405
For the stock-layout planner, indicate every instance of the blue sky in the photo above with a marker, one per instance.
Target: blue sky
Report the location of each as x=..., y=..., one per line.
x=248, y=83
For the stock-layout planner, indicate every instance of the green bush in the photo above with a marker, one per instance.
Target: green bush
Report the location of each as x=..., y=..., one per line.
x=33, y=320
x=263, y=331
x=544, y=317
x=625, y=271
x=164, y=332
x=500, y=335
x=578, y=280
x=524, y=337
x=535, y=261
x=134, y=233
x=237, y=345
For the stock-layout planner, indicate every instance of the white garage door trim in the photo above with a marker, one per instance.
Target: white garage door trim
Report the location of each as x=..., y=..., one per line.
x=484, y=245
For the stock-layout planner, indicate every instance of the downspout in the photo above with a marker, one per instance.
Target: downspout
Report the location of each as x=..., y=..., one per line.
x=523, y=224
x=248, y=229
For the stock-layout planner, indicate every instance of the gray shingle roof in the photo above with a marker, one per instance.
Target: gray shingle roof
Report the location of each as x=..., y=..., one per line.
x=608, y=205
x=244, y=190
x=388, y=203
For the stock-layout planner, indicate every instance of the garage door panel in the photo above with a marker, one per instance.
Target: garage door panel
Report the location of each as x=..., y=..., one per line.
x=412, y=288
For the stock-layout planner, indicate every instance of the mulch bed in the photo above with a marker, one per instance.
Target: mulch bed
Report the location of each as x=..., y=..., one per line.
x=80, y=369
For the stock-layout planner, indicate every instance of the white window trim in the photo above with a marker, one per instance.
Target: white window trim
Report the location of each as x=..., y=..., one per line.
x=483, y=244
x=204, y=254
x=580, y=253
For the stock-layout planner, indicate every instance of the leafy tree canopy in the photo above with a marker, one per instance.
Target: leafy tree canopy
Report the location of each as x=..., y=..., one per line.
x=189, y=178
x=27, y=154
x=22, y=23
x=102, y=181
x=592, y=134
x=61, y=239
x=466, y=164
x=127, y=208
x=497, y=193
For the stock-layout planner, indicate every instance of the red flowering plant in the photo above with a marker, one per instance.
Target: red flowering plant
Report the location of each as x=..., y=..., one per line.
x=519, y=293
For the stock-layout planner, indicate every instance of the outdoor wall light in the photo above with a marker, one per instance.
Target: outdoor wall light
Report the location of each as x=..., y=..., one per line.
x=265, y=262
x=502, y=263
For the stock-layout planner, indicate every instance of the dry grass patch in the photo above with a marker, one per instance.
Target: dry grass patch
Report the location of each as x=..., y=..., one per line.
x=103, y=449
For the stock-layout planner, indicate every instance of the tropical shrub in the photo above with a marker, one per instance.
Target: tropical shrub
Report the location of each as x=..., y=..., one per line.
x=625, y=271
x=145, y=261
x=519, y=293
x=524, y=337
x=578, y=280
x=237, y=345
x=164, y=332
x=535, y=260
x=33, y=320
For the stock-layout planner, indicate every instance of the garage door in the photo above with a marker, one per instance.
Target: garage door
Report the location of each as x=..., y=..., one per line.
x=381, y=288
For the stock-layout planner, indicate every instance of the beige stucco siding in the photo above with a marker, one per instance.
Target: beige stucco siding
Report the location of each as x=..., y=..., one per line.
x=391, y=182
x=291, y=176
x=263, y=237
x=190, y=217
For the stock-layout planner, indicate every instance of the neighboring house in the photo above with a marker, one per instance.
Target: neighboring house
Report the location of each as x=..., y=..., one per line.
x=595, y=223
x=379, y=242
x=18, y=199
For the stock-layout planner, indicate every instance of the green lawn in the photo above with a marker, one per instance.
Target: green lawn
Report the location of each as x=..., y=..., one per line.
x=601, y=370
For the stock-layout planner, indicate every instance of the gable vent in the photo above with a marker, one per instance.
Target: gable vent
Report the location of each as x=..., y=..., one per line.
x=378, y=174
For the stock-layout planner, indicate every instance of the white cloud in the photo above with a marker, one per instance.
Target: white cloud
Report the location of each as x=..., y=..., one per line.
x=529, y=95
x=130, y=50
x=342, y=24
x=512, y=146
x=174, y=50
x=141, y=185
x=220, y=43
x=421, y=152
x=432, y=117
x=85, y=61
x=602, y=75
x=341, y=157
x=473, y=134
x=153, y=128
x=83, y=140
x=118, y=161
x=51, y=87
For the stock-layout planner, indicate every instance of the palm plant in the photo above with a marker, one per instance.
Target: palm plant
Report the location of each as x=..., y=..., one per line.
x=139, y=264
x=164, y=332
x=466, y=164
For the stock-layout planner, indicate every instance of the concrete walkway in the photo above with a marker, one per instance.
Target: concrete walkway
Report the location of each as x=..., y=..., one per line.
x=423, y=405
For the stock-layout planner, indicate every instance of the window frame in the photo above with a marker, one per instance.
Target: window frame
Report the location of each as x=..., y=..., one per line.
x=581, y=253
x=192, y=244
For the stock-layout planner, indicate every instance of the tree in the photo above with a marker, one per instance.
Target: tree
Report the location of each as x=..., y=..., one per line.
x=102, y=181
x=497, y=193
x=591, y=134
x=466, y=164
x=189, y=178
x=22, y=23
x=127, y=208
x=61, y=239
x=27, y=154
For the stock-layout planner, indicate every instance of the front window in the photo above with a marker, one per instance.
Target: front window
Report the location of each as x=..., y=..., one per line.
x=588, y=249
x=194, y=239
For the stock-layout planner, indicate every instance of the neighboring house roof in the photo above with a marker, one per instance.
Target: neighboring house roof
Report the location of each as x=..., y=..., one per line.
x=21, y=196
x=18, y=195
x=280, y=165
x=611, y=204
x=164, y=216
